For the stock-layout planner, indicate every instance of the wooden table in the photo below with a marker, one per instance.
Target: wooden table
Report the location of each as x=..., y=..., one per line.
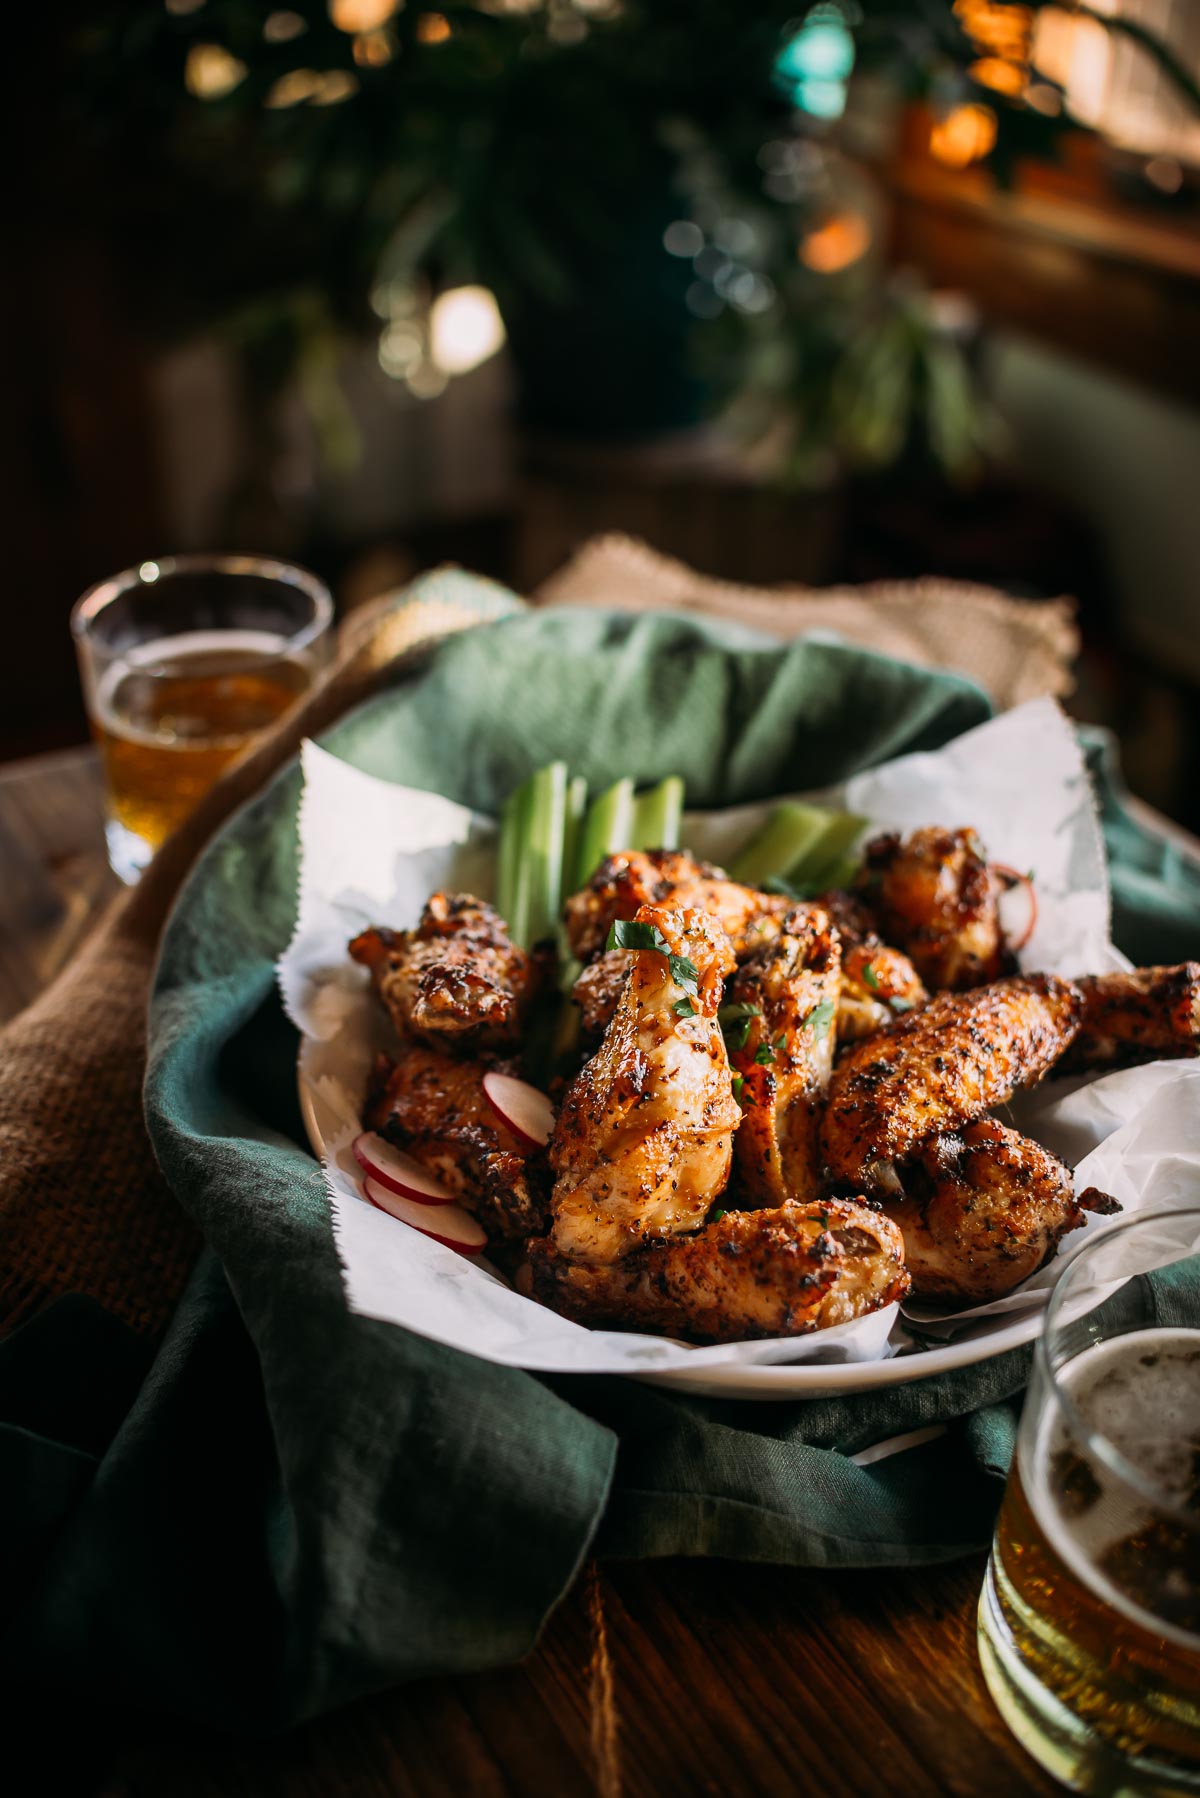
x=725, y=1679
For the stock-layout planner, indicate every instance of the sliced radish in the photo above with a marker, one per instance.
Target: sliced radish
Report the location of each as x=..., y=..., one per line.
x=1018, y=906
x=398, y=1172
x=527, y=1112
x=454, y=1226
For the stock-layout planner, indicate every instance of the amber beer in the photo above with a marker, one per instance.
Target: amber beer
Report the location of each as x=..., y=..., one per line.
x=170, y=720
x=1090, y=1618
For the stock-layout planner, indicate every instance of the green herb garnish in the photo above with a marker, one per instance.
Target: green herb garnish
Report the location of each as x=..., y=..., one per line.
x=627, y=933
x=871, y=978
x=737, y=1082
x=899, y=1005
x=764, y=1055
x=735, y=1019
x=714, y=1217
x=683, y=1008
x=820, y=1018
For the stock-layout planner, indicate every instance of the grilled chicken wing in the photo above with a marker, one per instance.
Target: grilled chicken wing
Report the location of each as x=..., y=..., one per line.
x=984, y=1210
x=942, y=1067
x=750, y=1274
x=598, y=988
x=935, y=896
x=664, y=877
x=432, y=1105
x=456, y=978
x=644, y=1139
x=879, y=984
x=1139, y=1016
x=786, y=1057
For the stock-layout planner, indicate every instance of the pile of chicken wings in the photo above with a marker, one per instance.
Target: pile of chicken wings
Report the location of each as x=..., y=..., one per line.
x=779, y=1118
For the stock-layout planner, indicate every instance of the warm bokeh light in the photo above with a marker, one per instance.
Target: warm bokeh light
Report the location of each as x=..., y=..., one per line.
x=282, y=27
x=433, y=28
x=335, y=85
x=836, y=244
x=372, y=49
x=1002, y=77
x=293, y=88
x=210, y=72
x=465, y=328
x=1002, y=30
x=361, y=15
x=963, y=136
x=180, y=9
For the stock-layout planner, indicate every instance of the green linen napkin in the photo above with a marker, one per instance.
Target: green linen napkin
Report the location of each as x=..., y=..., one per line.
x=290, y=1505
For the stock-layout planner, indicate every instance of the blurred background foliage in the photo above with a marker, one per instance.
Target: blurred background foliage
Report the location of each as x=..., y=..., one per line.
x=669, y=207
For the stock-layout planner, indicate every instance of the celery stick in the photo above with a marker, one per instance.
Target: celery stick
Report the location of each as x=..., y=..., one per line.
x=541, y=886
x=785, y=839
x=576, y=811
x=509, y=856
x=657, y=815
x=828, y=857
x=607, y=828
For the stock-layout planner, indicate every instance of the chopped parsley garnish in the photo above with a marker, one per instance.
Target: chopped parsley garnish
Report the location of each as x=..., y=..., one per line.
x=627, y=933
x=737, y=1082
x=871, y=977
x=820, y=1018
x=735, y=1019
x=714, y=1217
x=683, y=1008
x=787, y=889
x=764, y=1055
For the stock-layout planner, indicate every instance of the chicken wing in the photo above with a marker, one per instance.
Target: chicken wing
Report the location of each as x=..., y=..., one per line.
x=983, y=1210
x=789, y=992
x=1139, y=1016
x=664, y=877
x=644, y=1139
x=432, y=1105
x=598, y=989
x=749, y=1274
x=879, y=984
x=940, y=1068
x=936, y=898
x=456, y=978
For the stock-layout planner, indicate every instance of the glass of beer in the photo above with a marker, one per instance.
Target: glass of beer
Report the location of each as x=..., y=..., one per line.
x=185, y=662
x=1089, y=1623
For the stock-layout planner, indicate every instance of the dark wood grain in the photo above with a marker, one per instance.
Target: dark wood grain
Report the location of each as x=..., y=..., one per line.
x=727, y=1679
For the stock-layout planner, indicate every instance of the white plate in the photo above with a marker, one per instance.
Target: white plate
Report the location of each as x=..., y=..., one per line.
x=780, y=1384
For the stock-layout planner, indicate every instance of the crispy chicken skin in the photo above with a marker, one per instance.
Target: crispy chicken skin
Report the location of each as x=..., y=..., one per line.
x=671, y=877
x=1139, y=1016
x=644, y=1138
x=879, y=984
x=432, y=1105
x=456, y=978
x=786, y=1060
x=597, y=990
x=750, y=1274
x=984, y=1210
x=935, y=897
x=942, y=1067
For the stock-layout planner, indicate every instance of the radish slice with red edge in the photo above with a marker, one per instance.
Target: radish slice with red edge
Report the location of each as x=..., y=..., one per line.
x=448, y=1224
x=398, y=1172
x=1024, y=909
x=527, y=1112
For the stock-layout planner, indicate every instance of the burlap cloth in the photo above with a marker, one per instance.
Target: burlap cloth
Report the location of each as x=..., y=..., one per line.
x=83, y=1207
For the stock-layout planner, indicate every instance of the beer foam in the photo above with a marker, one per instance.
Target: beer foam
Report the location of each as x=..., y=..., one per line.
x=1141, y=1393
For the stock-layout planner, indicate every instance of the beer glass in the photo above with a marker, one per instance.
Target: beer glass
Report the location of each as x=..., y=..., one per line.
x=185, y=662
x=1089, y=1622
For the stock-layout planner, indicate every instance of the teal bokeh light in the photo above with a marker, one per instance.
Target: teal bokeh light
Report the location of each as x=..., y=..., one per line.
x=814, y=65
